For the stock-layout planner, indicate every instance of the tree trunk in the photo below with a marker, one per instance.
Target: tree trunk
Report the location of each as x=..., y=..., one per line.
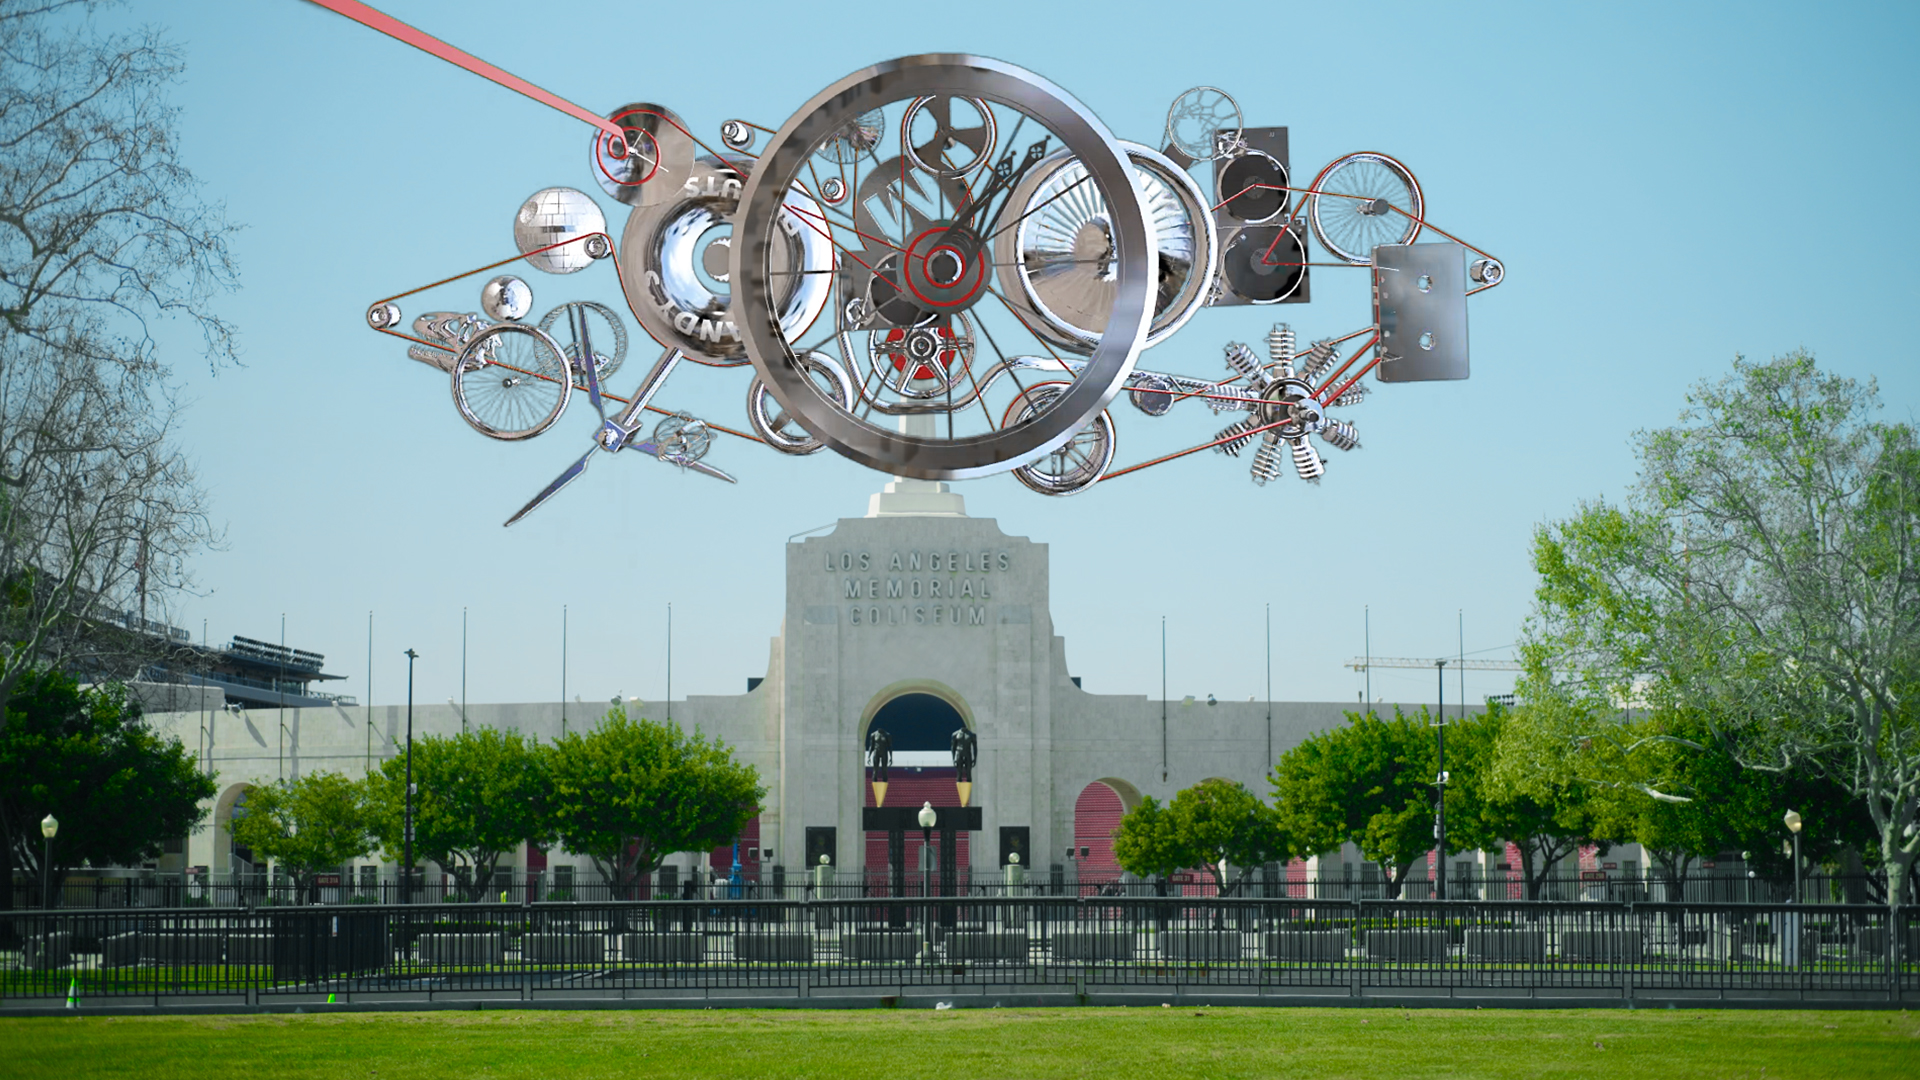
x=1899, y=866
x=1526, y=870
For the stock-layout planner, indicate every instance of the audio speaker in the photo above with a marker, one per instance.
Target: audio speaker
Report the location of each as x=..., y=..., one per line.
x=1263, y=259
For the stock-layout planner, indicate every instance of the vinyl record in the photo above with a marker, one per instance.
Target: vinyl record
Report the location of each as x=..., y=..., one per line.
x=1260, y=276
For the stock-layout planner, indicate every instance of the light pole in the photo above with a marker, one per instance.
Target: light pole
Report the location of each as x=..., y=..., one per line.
x=1793, y=826
x=49, y=827
x=1440, y=781
x=406, y=856
x=928, y=818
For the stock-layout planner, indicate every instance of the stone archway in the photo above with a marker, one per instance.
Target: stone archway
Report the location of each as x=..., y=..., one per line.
x=228, y=857
x=926, y=694
x=921, y=715
x=1096, y=813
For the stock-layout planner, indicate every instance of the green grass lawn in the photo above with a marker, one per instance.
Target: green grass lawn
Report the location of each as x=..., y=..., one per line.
x=973, y=1043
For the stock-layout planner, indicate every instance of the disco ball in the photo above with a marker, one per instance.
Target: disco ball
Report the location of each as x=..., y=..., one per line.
x=506, y=298
x=550, y=216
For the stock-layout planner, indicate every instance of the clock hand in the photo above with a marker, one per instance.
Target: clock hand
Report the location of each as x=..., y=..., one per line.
x=400, y=31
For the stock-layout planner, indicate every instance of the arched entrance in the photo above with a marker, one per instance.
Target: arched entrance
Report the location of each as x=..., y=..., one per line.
x=920, y=717
x=1096, y=814
x=229, y=857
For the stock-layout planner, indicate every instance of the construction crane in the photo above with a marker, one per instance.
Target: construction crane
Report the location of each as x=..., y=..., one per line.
x=1359, y=663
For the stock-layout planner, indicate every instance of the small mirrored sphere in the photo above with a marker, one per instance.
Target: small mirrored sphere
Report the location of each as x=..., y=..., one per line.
x=551, y=216
x=506, y=298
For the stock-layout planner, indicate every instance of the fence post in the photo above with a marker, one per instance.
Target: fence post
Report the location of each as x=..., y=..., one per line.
x=1353, y=928
x=1627, y=969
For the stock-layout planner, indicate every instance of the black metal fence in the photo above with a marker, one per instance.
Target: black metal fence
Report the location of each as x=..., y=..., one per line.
x=722, y=949
x=153, y=890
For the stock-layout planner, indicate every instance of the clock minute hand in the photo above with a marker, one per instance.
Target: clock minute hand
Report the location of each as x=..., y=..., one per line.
x=1006, y=177
x=419, y=39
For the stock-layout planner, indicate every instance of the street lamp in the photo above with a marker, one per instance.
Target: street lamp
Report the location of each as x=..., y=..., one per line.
x=49, y=827
x=1793, y=826
x=928, y=818
x=406, y=857
x=1440, y=781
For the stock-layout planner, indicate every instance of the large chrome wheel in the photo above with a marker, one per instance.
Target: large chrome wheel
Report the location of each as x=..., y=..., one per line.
x=937, y=186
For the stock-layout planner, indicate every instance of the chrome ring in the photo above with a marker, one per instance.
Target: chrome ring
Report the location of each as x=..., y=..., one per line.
x=781, y=165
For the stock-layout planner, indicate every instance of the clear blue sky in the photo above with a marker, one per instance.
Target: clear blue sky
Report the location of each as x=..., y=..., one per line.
x=1668, y=184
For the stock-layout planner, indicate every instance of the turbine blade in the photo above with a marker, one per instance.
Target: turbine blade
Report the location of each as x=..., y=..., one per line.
x=565, y=478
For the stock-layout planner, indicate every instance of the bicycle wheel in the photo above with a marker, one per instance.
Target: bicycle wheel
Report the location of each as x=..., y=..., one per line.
x=913, y=246
x=511, y=382
x=1353, y=206
x=604, y=329
x=776, y=427
x=1077, y=464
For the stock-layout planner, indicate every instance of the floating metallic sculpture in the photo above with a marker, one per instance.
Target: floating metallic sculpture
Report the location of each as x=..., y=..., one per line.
x=945, y=266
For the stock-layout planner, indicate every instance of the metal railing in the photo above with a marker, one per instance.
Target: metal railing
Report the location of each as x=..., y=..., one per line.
x=153, y=889
x=1087, y=945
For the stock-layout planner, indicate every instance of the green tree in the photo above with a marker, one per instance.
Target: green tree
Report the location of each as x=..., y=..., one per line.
x=480, y=795
x=1760, y=576
x=1369, y=783
x=1727, y=807
x=631, y=792
x=119, y=790
x=308, y=826
x=1544, y=812
x=1146, y=842
x=1211, y=822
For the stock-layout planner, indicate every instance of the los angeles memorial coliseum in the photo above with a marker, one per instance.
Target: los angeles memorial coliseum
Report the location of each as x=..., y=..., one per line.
x=915, y=618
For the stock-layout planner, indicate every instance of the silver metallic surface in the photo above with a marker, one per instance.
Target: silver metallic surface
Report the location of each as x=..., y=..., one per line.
x=737, y=134
x=776, y=427
x=652, y=161
x=1353, y=201
x=1151, y=393
x=510, y=382
x=1307, y=461
x=1486, y=271
x=681, y=439
x=855, y=138
x=1077, y=464
x=782, y=164
x=506, y=298
x=1420, y=306
x=981, y=138
x=606, y=332
x=383, y=316
x=1194, y=118
x=1056, y=267
x=920, y=362
x=554, y=215
x=1269, y=462
x=674, y=262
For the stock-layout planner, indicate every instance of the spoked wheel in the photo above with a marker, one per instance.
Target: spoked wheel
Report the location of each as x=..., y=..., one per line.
x=511, y=382
x=772, y=423
x=914, y=269
x=1077, y=464
x=604, y=332
x=1353, y=201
